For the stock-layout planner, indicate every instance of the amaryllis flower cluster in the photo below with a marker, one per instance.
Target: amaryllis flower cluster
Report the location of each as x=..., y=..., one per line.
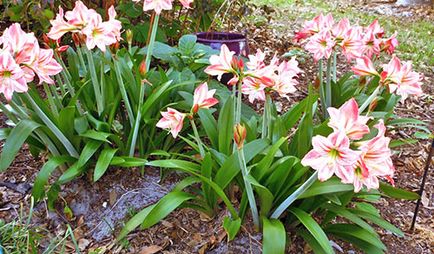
x=173, y=120
x=87, y=23
x=258, y=78
x=344, y=154
x=322, y=36
x=396, y=75
x=159, y=5
x=21, y=59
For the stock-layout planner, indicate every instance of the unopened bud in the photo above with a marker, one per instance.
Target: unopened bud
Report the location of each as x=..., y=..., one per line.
x=77, y=39
x=373, y=105
x=142, y=69
x=362, y=81
x=129, y=35
x=114, y=47
x=240, y=134
x=316, y=83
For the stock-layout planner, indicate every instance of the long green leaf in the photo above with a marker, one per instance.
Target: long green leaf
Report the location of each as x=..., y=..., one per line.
x=331, y=186
x=104, y=160
x=175, y=164
x=225, y=126
x=398, y=193
x=153, y=214
x=232, y=227
x=313, y=227
x=356, y=231
x=274, y=237
x=16, y=139
x=45, y=172
x=379, y=221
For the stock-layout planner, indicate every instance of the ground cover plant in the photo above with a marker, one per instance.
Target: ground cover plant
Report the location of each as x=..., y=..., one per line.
x=313, y=170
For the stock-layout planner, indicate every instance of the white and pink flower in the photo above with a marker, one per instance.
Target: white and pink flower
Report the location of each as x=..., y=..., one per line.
x=203, y=98
x=11, y=76
x=172, y=120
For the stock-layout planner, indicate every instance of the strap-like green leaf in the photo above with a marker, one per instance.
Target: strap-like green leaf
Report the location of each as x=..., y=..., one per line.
x=393, y=192
x=45, y=172
x=16, y=139
x=153, y=214
x=231, y=227
x=225, y=126
x=274, y=237
x=104, y=160
x=313, y=227
x=357, y=232
x=331, y=186
x=379, y=221
x=175, y=164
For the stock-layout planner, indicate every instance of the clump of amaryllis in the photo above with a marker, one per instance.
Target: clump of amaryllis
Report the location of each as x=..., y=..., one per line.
x=224, y=63
x=345, y=153
x=262, y=78
x=203, y=98
x=172, y=120
x=322, y=36
x=348, y=120
x=87, y=22
x=330, y=155
x=22, y=50
x=160, y=5
x=396, y=75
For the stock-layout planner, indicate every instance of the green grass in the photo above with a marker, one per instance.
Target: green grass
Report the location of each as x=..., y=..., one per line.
x=414, y=35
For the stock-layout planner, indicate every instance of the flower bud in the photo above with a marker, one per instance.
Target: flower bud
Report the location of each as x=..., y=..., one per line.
x=373, y=105
x=142, y=69
x=77, y=39
x=316, y=83
x=129, y=35
x=240, y=134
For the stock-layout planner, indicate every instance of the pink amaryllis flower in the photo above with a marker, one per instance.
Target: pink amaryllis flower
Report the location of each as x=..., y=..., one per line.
x=346, y=119
x=285, y=82
x=186, y=3
x=46, y=66
x=388, y=45
x=203, y=98
x=375, y=29
x=224, y=63
x=351, y=44
x=172, y=120
x=11, y=76
x=374, y=161
x=408, y=81
x=99, y=33
x=314, y=26
x=254, y=88
x=156, y=5
x=321, y=45
x=365, y=67
x=371, y=44
x=331, y=155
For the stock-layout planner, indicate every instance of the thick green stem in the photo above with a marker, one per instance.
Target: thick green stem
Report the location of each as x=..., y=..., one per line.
x=239, y=103
x=81, y=59
x=248, y=186
x=370, y=99
x=142, y=86
x=198, y=141
x=335, y=58
x=321, y=89
x=95, y=83
x=51, y=100
x=328, y=95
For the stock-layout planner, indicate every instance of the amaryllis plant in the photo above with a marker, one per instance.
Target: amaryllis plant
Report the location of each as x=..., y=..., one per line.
x=300, y=164
x=99, y=104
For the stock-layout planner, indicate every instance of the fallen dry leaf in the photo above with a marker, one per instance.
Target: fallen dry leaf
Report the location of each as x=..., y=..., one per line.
x=151, y=249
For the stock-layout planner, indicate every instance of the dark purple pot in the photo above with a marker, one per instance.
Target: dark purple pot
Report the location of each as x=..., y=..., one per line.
x=235, y=42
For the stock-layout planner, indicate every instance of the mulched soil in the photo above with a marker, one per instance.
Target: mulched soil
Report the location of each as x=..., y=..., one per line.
x=188, y=231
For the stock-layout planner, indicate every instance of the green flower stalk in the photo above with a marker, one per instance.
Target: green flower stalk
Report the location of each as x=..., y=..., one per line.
x=142, y=87
x=240, y=134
